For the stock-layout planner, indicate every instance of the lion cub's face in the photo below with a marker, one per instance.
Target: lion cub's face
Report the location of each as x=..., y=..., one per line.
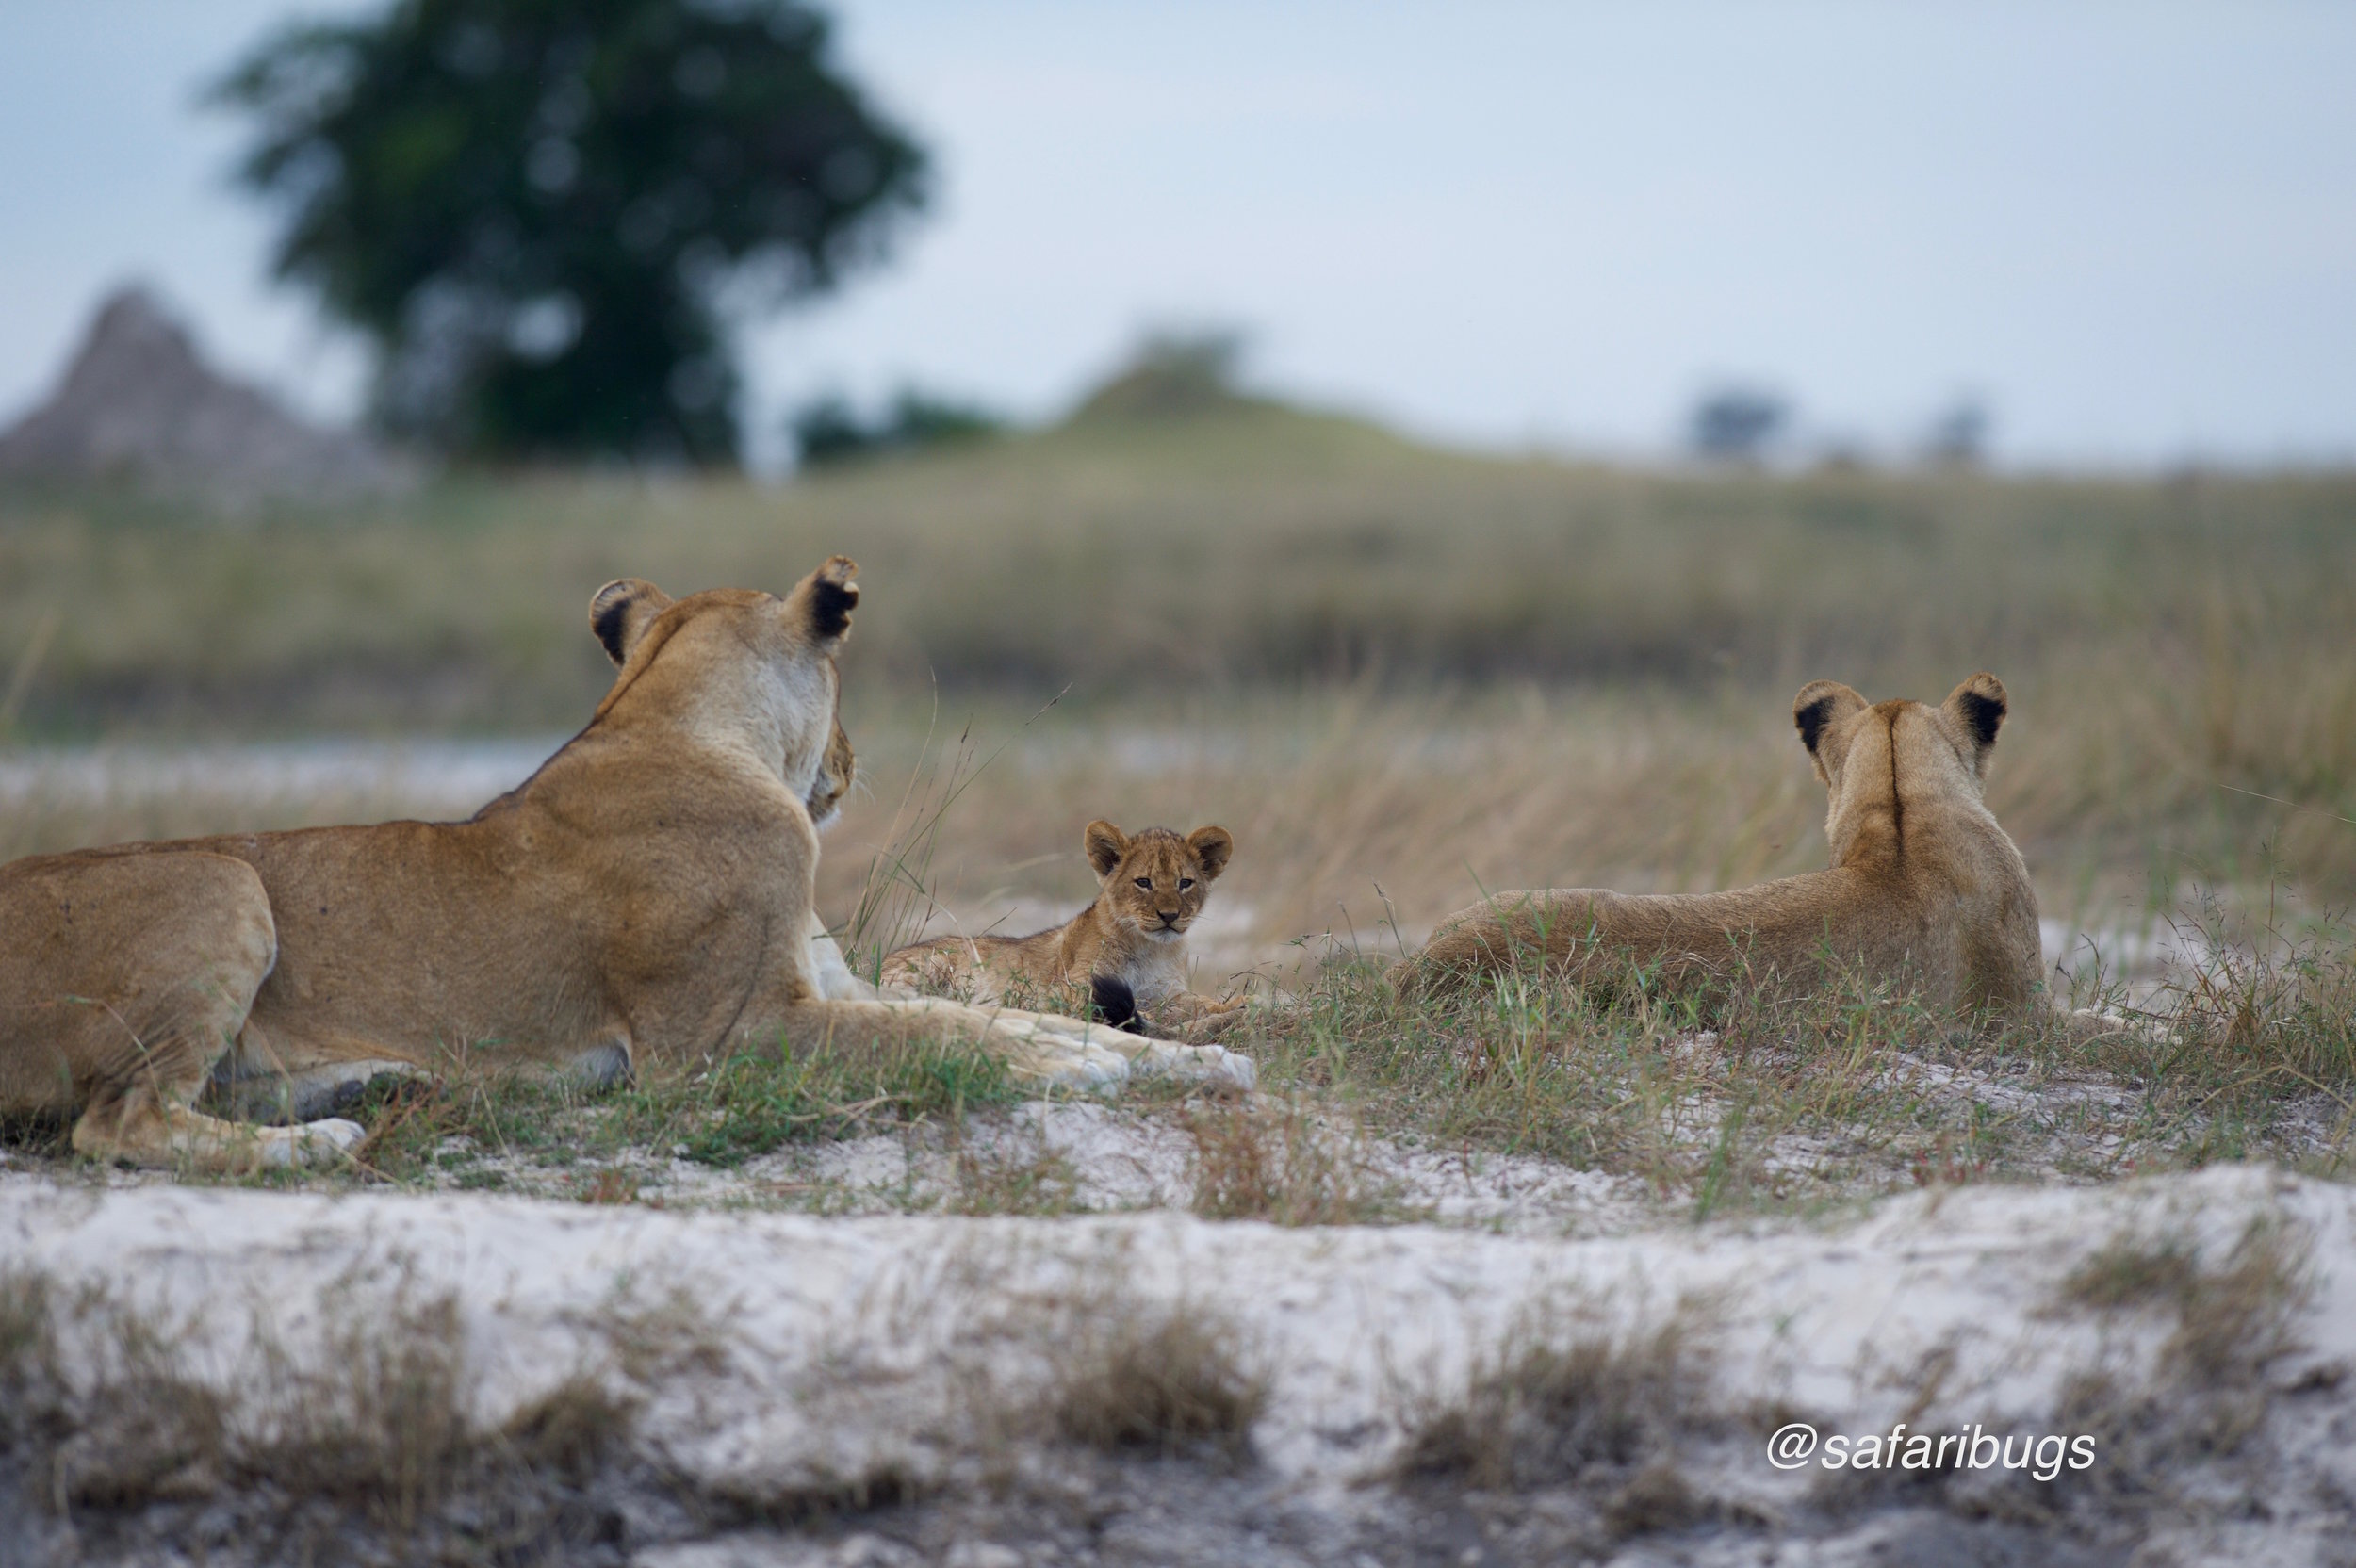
x=1154, y=883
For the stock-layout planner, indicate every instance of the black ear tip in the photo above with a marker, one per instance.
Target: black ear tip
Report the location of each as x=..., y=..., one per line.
x=1114, y=1002
x=1985, y=714
x=608, y=617
x=830, y=605
x=1809, y=720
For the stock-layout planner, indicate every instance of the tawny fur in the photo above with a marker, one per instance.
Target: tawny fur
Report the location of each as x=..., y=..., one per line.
x=1153, y=885
x=645, y=897
x=1925, y=887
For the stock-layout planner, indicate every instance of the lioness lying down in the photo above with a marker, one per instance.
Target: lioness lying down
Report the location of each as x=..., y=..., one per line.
x=1923, y=886
x=646, y=896
x=1151, y=885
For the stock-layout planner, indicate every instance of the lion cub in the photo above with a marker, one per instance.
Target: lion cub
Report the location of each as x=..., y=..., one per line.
x=1129, y=940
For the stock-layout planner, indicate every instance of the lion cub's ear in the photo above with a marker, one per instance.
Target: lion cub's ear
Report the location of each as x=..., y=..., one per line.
x=821, y=603
x=1106, y=844
x=1978, y=709
x=1818, y=714
x=1214, y=846
x=620, y=612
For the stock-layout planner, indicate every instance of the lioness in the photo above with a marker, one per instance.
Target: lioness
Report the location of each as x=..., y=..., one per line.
x=1151, y=885
x=1924, y=883
x=645, y=895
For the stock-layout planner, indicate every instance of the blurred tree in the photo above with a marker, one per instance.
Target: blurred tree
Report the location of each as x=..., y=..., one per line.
x=1735, y=424
x=1959, y=437
x=828, y=430
x=546, y=213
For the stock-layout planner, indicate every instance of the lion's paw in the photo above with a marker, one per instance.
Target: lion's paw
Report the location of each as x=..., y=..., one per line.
x=322, y=1142
x=1211, y=1063
x=2088, y=1025
x=1066, y=1060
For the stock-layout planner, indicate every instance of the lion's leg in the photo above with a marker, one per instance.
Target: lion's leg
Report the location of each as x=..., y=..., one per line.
x=1204, y=1019
x=257, y=1092
x=1147, y=1055
x=143, y=1042
x=1042, y=1048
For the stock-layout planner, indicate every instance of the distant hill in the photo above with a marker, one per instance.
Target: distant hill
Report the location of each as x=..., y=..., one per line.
x=138, y=404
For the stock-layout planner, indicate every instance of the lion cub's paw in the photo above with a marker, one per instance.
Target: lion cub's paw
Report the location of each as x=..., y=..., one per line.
x=1213, y=1027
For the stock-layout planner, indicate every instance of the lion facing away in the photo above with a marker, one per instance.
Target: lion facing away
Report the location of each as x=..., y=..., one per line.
x=645, y=897
x=1924, y=886
x=1151, y=887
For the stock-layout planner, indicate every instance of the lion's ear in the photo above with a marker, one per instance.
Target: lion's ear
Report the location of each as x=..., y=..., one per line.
x=620, y=612
x=1978, y=709
x=1213, y=845
x=1818, y=714
x=1106, y=844
x=821, y=603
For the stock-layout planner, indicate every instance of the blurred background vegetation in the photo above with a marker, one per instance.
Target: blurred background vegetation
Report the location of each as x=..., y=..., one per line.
x=2177, y=647
x=1382, y=663
x=551, y=218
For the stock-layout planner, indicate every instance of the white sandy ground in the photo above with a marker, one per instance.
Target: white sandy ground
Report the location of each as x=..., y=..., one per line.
x=850, y=1347
x=1101, y=1158
x=1109, y=1159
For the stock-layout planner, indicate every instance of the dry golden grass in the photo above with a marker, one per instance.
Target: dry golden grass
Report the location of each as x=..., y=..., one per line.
x=1374, y=662
x=1284, y=1159
x=1371, y=816
x=1368, y=816
x=373, y=1431
x=2232, y=1314
x=1167, y=1379
x=1569, y=1397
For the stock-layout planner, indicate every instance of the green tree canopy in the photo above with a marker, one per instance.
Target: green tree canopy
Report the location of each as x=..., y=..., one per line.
x=547, y=214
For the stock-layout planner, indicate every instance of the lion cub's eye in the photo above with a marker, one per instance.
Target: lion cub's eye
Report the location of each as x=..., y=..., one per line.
x=1185, y=882
x=1146, y=882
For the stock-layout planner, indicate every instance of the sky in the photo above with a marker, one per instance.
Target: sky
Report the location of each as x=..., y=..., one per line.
x=2129, y=230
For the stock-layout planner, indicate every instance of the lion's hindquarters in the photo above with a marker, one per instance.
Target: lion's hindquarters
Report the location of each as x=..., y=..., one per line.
x=1508, y=933
x=125, y=971
x=1777, y=930
x=128, y=978
x=1782, y=936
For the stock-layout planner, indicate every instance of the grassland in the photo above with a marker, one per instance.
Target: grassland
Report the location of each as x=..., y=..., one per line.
x=1400, y=676
x=1327, y=599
